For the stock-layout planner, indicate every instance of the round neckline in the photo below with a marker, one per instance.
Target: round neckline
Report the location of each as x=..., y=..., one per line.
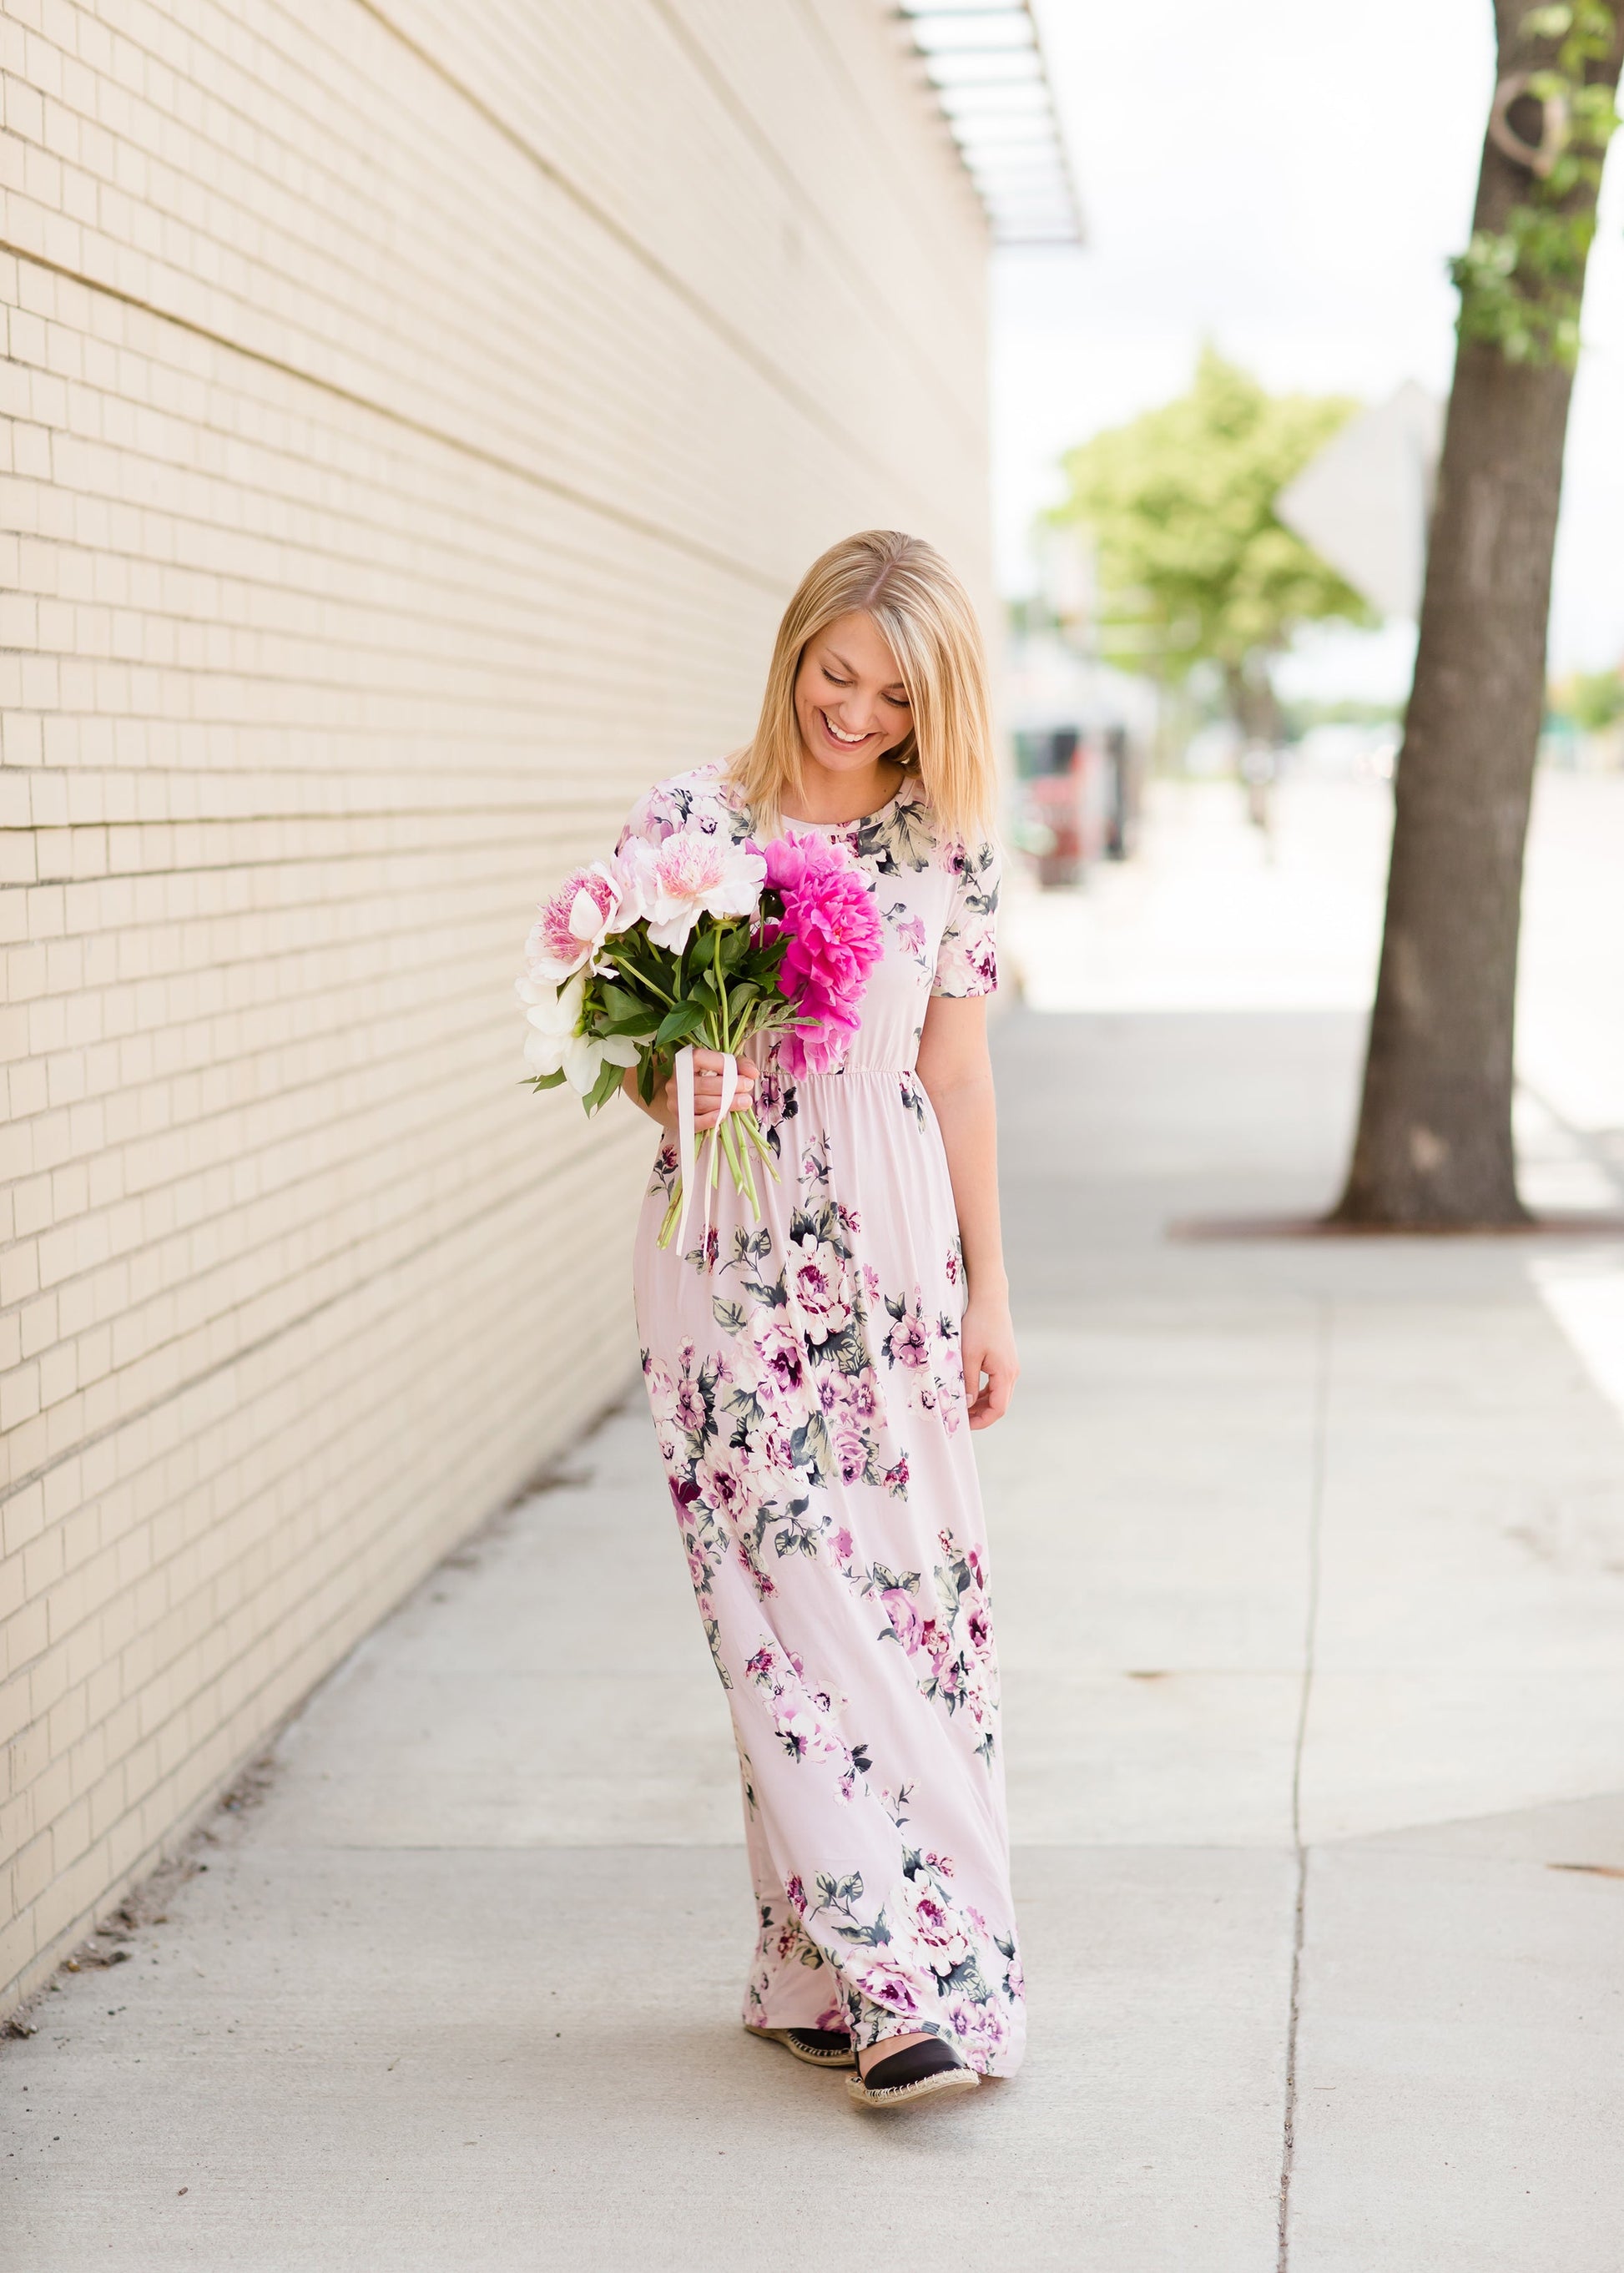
x=857, y=819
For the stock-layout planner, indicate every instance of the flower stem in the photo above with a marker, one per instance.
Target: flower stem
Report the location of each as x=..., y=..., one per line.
x=752, y=1130
x=738, y=1160
x=721, y=988
x=623, y=961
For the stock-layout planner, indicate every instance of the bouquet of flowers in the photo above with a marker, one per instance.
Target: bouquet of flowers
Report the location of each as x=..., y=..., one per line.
x=698, y=940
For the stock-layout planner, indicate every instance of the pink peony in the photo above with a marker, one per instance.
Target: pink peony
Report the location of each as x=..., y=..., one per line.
x=834, y=940
x=851, y=1456
x=778, y=1351
x=572, y=925
x=724, y=1486
x=818, y=1285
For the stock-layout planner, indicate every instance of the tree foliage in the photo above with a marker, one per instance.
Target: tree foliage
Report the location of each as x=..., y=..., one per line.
x=1193, y=566
x=1521, y=284
x=1594, y=699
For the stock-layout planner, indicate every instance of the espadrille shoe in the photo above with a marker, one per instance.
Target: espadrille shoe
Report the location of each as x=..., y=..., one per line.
x=927, y=2071
x=818, y=2047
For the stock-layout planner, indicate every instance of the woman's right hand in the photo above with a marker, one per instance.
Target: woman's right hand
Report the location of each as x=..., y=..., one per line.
x=707, y=1093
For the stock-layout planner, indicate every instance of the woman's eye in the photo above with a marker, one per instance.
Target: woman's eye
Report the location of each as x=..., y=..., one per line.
x=833, y=681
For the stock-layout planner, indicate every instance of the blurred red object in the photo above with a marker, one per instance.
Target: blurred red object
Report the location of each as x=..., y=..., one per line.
x=1075, y=802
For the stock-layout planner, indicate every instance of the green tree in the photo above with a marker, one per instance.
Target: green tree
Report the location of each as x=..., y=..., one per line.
x=1433, y=1145
x=1594, y=699
x=1193, y=566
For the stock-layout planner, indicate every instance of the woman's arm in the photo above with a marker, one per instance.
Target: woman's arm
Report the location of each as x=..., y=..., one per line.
x=957, y=1074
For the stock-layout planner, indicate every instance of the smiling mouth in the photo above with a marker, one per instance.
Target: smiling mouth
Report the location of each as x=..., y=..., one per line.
x=842, y=741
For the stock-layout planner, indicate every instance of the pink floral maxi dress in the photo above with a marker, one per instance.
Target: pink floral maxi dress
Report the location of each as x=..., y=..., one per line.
x=809, y=1399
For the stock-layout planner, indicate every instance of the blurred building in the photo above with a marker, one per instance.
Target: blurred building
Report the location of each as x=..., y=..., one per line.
x=415, y=418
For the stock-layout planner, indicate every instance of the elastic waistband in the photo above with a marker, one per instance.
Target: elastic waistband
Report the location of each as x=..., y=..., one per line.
x=858, y=1073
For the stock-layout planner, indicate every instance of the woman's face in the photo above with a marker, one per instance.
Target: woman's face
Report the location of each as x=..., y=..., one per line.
x=850, y=702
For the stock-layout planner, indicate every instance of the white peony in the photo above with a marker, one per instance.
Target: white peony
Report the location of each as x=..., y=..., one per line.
x=692, y=874
x=553, y=1045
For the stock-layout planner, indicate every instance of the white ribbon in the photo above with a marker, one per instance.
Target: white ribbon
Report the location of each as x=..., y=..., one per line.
x=686, y=1149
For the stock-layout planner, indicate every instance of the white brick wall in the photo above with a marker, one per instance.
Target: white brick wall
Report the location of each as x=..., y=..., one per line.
x=414, y=416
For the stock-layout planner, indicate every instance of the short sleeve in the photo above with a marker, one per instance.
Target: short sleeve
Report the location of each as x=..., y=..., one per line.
x=698, y=800
x=967, y=960
x=650, y=820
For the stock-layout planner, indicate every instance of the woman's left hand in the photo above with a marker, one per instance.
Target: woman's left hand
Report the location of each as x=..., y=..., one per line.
x=987, y=1342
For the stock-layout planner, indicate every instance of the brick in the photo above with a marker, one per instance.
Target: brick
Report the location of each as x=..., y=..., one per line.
x=305, y=702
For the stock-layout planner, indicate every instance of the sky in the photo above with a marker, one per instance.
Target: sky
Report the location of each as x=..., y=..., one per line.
x=1287, y=178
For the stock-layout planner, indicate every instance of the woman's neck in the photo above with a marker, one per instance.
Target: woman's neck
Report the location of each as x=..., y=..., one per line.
x=835, y=797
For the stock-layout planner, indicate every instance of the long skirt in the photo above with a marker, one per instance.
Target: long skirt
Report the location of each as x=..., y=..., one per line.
x=805, y=1378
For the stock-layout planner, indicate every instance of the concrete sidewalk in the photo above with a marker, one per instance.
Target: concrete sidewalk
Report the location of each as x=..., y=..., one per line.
x=1309, y=1568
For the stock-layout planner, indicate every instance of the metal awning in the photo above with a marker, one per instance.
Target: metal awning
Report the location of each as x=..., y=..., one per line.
x=985, y=62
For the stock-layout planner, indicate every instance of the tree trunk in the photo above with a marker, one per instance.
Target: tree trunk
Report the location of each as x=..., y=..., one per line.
x=1250, y=697
x=1433, y=1146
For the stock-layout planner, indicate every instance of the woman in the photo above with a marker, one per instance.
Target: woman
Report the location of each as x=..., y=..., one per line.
x=815, y=1376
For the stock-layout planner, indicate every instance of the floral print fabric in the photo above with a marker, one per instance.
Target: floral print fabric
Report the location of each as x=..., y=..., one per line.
x=807, y=1395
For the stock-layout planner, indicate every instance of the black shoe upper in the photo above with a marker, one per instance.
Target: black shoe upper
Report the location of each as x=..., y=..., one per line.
x=911, y=2065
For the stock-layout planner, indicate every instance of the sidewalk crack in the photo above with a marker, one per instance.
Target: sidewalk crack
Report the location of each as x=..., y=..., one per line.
x=1316, y=1512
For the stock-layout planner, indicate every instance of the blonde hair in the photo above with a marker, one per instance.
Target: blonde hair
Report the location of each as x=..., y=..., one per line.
x=924, y=614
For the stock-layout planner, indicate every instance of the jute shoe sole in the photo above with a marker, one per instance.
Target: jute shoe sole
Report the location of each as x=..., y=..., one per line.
x=798, y=2051
x=904, y=2095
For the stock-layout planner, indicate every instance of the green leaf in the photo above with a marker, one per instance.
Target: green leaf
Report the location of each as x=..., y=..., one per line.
x=604, y=1088
x=546, y=1080
x=678, y=1024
